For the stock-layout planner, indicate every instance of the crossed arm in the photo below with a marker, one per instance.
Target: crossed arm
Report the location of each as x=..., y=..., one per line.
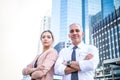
x=75, y=65
x=29, y=70
x=42, y=68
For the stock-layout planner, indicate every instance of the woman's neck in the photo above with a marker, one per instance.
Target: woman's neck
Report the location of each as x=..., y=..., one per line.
x=45, y=48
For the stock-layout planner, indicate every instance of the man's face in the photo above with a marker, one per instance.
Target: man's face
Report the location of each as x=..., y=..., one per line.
x=76, y=34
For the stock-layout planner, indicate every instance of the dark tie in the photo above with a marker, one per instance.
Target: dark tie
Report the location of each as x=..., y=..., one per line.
x=74, y=75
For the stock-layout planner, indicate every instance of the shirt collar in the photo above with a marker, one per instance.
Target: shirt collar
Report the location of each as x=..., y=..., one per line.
x=79, y=46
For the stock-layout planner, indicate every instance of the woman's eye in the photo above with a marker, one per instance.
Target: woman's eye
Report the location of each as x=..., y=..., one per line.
x=43, y=36
x=48, y=37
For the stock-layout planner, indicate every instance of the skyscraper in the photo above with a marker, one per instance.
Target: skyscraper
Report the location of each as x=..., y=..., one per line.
x=107, y=7
x=66, y=12
x=117, y=4
x=106, y=36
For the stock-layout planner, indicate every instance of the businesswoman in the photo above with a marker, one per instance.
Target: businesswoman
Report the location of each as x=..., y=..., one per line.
x=41, y=68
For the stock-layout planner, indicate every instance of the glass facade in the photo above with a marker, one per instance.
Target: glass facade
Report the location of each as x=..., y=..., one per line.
x=94, y=7
x=106, y=36
x=70, y=12
x=116, y=4
x=107, y=7
x=95, y=16
x=63, y=20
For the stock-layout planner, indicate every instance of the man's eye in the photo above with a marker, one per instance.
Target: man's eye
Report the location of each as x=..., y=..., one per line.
x=71, y=31
x=77, y=30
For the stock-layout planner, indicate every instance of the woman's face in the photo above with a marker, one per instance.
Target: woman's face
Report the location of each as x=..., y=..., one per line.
x=46, y=39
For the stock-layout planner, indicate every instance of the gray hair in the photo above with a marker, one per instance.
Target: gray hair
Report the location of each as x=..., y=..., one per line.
x=76, y=24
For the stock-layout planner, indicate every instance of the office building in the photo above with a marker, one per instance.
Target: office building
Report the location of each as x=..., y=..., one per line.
x=68, y=11
x=44, y=25
x=116, y=4
x=106, y=36
x=97, y=16
x=65, y=12
x=107, y=7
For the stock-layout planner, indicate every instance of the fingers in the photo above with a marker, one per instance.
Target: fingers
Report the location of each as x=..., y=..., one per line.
x=88, y=57
x=27, y=70
x=64, y=63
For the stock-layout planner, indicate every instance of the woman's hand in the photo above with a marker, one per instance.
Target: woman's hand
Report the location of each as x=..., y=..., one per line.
x=28, y=70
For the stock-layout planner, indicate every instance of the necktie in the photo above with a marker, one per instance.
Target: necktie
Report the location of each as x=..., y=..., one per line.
x=74, y=75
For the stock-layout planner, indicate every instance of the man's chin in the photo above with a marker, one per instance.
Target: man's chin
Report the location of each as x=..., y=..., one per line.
x=76, y=41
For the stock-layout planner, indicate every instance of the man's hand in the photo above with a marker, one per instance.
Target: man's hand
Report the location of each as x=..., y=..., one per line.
x=88, y=57
x=65, y=63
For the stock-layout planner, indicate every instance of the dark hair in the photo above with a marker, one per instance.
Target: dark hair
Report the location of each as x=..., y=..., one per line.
x=47, y=31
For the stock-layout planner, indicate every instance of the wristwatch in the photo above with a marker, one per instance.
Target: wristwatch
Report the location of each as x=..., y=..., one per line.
x=68, y=63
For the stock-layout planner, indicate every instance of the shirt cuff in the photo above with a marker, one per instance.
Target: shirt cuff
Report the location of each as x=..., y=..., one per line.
x=62, y=69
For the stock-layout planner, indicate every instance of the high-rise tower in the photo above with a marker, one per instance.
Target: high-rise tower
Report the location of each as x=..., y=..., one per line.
x=66, y=12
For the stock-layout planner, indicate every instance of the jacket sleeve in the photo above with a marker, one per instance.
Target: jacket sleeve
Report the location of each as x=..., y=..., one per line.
x=48, y=63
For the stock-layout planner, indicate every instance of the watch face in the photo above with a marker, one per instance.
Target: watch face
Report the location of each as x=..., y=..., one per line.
x=68, y=63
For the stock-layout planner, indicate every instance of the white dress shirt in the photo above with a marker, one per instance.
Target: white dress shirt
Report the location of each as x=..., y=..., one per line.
x=87, y=66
